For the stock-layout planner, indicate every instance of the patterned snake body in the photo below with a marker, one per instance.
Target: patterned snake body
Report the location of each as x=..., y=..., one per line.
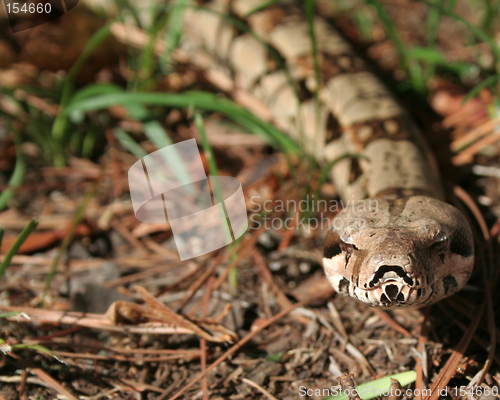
x=398, y=244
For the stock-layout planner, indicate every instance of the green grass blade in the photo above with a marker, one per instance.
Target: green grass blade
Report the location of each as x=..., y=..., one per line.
x=16, y=179
x=125, y=7
x=77, y=218
x=157, y=134
x=451, y=5
x=95, y=89
x=88, y=142
x=464, y=70
x=418, y=77
x=483, y=85
x=173, y=33
x=373, y=389
x=35, y=347
x=153, y=129
x=275, y=55
x=478, y=32
x=13, y=314
x=490, y=14
x=209, y=155
x=391, y=31
x=309, y=8
x=17, y=244
x=426, y=54
x=147, y=60
x=60, y=122
x=159, y=137
x=201, y=100
x=364, y=24
x=433, y=23
x=325, y=171
x=212, y=166
x=129, y=143
x=262, y=6
x=216, y=189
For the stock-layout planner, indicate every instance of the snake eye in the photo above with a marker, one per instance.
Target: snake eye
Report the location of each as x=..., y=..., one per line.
x=440, y=245
x=348, y=249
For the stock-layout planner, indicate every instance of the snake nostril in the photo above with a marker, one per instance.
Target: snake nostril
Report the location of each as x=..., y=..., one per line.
x=392, y=291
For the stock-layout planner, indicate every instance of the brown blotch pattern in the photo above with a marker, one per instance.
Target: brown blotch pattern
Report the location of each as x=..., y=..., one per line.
x=400, y=193
x=356, y=170
x=332, y=245
x=331, y=65
x=333, y=129
x=397, y=128
x=267, y=19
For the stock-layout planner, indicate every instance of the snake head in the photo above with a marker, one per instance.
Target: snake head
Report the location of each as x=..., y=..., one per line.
x=407, y=252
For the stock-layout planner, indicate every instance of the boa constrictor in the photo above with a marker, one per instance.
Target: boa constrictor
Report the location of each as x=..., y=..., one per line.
x=400, y=244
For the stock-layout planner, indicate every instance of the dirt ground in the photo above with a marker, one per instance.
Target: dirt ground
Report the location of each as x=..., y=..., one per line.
x=117, y=315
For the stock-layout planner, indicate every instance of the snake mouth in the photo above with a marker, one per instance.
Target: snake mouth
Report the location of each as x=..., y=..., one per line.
x=393, y=285
x=392, y=293
x=387, y=273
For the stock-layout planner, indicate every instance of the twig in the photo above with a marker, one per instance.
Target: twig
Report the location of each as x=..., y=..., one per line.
x=190, y=292
x=265, y=274
x=53, y=383
x=337, y=319
x=259, y=388
x=203, y=342
x=113, y=150
x=164, y=313
x=287, y=238
x=445, y=308
x=488, y=279
x=125, y=234
x=241, y=249
x=495, y=229
x=395, y=391
x=422, y=338
x=95, y=321
x=465, y=156
x=15, y=247
x=187, y=355
x=475, y=134
x=22, y=385
x=238, y=345
x=141, y=386
x=393, y=324
x=77, y=218
x=248, y=246
x=346, y=382
x=451, y=365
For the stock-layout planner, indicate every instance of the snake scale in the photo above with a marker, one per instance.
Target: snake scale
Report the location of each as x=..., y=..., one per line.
x=399, y=244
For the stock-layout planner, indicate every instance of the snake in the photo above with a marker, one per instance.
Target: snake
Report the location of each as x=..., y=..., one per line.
x=397, y=242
